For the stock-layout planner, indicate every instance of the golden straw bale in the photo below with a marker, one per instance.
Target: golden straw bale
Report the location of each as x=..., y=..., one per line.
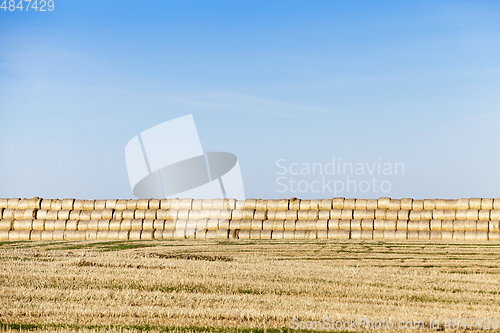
x=289, y=234
x=28, y=203
x=380, y=214
x=142, y=204
x=200, y=224
x=424, y=225
x=120, y=205
x=435, y=225
x=26, y=224
x=214, y=224
x=314, y=204
x=390, y=224
x=214, y=214
x=102, y=235
x=462, y=204
x=16, y=225
x=223, y=233
x=82, y=225
x=237, y=214
x=447, y=225
x=389, y=234
x=226, y=214
x=294, y=204
x=136, y=234
x=494, y=236
x=424, y=235
x=367, y=224
x=139, y=214
x=324, y=215
x=349, y=204
x=429, y=204
x=267, y=224
x=167, y=234
x=170, y=204
x=147, y=224
x=441, y=204
x=46, y=204
x=383, y=203
x=190, y=233
x=336, y=214
x=110, y=204
x=244, y=234
x=91, y=225
x=78, y=204
x=56, y=204
x=60, y=225
x=118, y=215
x=147, y=234
x=426, y=214
x=40, y=214
x=182, y=214
x=378, y=234
x=334, y=224
x=311, y=234
x=114, y=225
x=360, y=204
x=196, y=204
x=471, y=214
x=344, y=224
x=458, y=235
x=52, y=214
x=99, y=204
x=158, y=224
x=167, y=214
x=273, y=205
x=223, y=223
x=470, y=226
x=36, y=235
x=180, y=224
x=342, y=234
x=277, y=234
x=482, y=226
x=66, y=204
x=403, y=214
x=475, y=203
x=266, y=234
x=260, y=215
x=137, y=224
x=494, y=214
x=366, y=234
x=299, y=225
x=63, y=214
x=325, y=204
x=364, y=214
x=406, y=204
x=154, y=204
x=496, y=203
x=72, y=225
x=402, y=225
x=355, y=234
x=245, y=224
x=250, y=204
x=58, y=235
x=391, y=215
x=346, y=214
x=47, y=235
x=278, y=224
x=486, y=203
x=338, y=203
x=378, y=225
x=334, y=234
x=21, y=235
x=289, y=225
x=113, y=235
x=299, y=234
x=481, y=236
x=449, y=215
x=322, y=234
x=355, y=224
x=290, y=215
x=412, y=226
x=126, y=224
x=85, y=215
x=394, y=204
x=470, y=236
x=132, y=204
x=459, y=225
x=198, y=234
x=50, y=225
x=37, y=225
x=305, y=205
x=3, y=204
x=88, y=205
x=254, y=234
x=400, y=234
x=215, y=204
x=451, y=204
x=190, y=224
x=412, y=235
x=484, y=215
x=256, y=225
x=248, y=214
x=435, y=235
x=417, y=205
x=321, y=225
x=168, y=224
x=438, y=214
x=239, y=204
x=234, y=224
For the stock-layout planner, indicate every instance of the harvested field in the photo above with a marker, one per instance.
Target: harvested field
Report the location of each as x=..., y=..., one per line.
x=236, y=285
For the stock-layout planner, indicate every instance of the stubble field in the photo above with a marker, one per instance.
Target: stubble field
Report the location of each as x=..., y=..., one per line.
x=238, y=286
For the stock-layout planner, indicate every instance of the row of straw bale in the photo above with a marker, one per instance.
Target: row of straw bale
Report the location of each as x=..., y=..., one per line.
x=256, y=204
x=251, y=224
x=243, y=214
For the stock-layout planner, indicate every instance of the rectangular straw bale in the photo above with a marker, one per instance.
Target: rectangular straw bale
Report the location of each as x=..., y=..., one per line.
x=484, y=215
x=336, y=214
x=338, y=203
x=289, y=225
x=435, y=225
x=424, y=235
x=147, y=224
x=277, y=234
x=279, y=225
x=334, y=224
x=459, y=235
x=267, y=225
x=424, y=225
x=429, y=204
x=367, y=224
x=294, y=204
x=82, y=225
x=324, y=215
x=256, y=224
x=470, y=225
x=380, y=214
x=459, y=225
x=391, y=215
x=482, y=226
x=390, y=224
x=471, y=214
x=245, y=224
x=378, y=225
x=99, y=204
x=85, y=215
x=364, y=214
x=46, y=204
x=91, y=225
x=406, y=204
x=402, y=225
x=417, y=205
x=412, y=226
x=126, y=224
x=447, y=225
x=475, y=203
x=58, y=235
x=321, y=225
x=346, y=214
x=438, y=214
x=355, y=224
x=71, y=225
x=383, y=203
x=344, y=224
x=299, y=234
x=135, y=234
x=60, y=225
x=395, y=204
x=360, y=204
x=349, y=204
x=132, y=204
x=114, y=225
x=325, y=204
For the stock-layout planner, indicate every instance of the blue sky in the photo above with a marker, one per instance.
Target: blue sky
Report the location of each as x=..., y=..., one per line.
x=301, y=81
